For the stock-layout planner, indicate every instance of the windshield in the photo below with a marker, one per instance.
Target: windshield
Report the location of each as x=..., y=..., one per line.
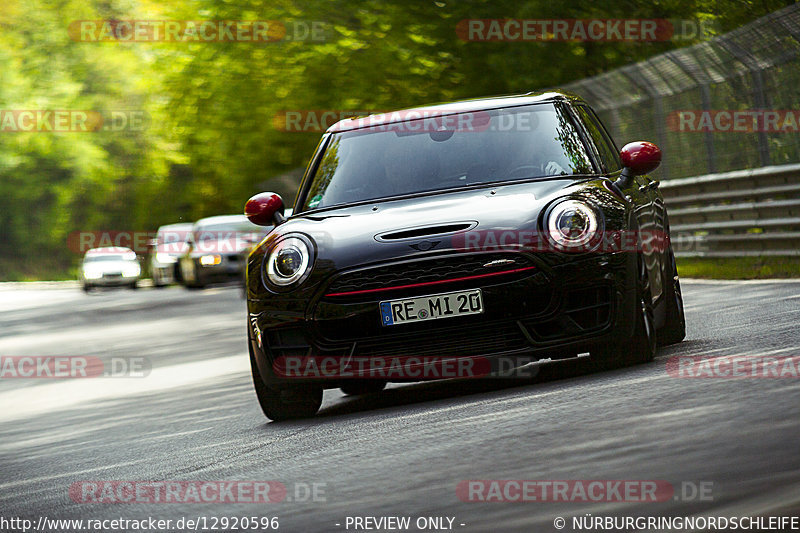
x=105, y=257
x=227, y=230
x=172, y=236
x=411, y=157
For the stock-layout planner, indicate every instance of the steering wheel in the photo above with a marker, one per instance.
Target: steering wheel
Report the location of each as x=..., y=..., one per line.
x=525, y=171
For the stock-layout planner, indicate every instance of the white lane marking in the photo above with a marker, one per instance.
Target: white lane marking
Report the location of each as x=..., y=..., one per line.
x=38, y=285
x=53, y=396
x=74, y=474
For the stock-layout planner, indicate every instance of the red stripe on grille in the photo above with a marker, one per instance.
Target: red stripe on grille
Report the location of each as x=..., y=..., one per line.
x=428, y=283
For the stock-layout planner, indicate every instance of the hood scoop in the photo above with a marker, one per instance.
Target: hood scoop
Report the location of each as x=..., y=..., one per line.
x=425, y=231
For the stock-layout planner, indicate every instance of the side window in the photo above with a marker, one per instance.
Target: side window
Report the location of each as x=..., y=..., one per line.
x=602, y=140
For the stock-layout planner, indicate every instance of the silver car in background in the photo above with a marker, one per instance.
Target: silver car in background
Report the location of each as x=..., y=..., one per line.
x=171, y=242
x=218, y=249
x=110, y=267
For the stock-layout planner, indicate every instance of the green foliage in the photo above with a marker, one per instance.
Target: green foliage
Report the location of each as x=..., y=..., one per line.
x=768, y=267
x=210, y=139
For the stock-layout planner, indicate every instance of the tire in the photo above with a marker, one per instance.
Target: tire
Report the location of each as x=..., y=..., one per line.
x=284, y=404
x=197, y=284
x=357, y=388
x=133, y=286
x=158, y=282
x=674, y=328
x=87, y=288
x=641, y=346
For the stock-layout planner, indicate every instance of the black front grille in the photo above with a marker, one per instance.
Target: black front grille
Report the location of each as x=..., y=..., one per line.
x=427, y=270
x=584, y=310
x=459, y=342
x=287, y=342
x=485, y=339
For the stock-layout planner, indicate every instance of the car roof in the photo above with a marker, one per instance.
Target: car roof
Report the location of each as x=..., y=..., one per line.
x=222, y=219
x=179, y=226
x=109, y=250
x=452, y=108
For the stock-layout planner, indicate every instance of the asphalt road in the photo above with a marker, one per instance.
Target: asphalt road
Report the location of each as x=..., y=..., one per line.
x=401, y=453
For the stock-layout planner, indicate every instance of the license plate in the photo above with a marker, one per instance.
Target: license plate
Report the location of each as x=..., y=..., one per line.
x=445, y=305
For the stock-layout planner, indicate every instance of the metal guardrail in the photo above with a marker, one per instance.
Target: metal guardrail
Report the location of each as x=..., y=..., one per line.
x=735, y=214
x=755, y=67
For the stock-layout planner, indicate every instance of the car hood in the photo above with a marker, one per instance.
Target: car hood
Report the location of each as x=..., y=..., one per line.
x=227, y=246
x=172, y=248
x=364, y=234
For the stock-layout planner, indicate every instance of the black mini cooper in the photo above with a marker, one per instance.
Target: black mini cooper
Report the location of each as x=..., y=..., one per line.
x=454, y=241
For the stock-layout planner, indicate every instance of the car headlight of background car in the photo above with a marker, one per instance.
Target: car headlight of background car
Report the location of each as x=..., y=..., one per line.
x=573, y=225
x=92, y=273
x=289, y=261
x=162, y=257
x=131, y=271
x=210, y=260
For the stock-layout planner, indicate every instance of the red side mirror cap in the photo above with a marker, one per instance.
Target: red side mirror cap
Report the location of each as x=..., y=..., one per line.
x=262, y=208
x=640, y=157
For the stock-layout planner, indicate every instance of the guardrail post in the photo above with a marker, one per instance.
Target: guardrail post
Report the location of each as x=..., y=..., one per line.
x=761, y=104
x=708, y=136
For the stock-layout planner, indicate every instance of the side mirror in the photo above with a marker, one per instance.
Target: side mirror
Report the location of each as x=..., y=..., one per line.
x=265, y=209
x=638, y=157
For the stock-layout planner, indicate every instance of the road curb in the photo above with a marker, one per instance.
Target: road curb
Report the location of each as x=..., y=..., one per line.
x=700, y=281
x=68, y=284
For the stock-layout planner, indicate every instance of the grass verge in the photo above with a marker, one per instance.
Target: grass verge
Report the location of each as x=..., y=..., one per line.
x=739, y=267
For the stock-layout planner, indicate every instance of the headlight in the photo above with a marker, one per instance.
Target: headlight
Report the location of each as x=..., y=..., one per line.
x=572, y=225
x=210, y=260
x=131, y=271
x=92, y=273
x=162, y=257
x=288, y=262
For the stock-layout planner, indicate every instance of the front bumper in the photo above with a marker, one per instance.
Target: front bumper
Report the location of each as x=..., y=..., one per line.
x=230, y=268
x=555, y=310
x=111, y=280
x=164, y=272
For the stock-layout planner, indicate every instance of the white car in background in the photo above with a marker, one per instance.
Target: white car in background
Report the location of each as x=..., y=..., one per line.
x=110, y=267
